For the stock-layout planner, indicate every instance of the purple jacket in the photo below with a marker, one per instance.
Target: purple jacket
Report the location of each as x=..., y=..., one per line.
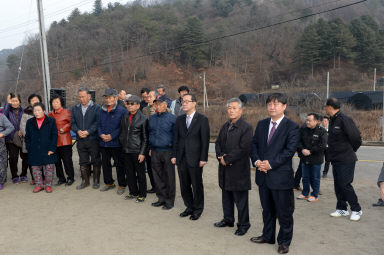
x=8, y=112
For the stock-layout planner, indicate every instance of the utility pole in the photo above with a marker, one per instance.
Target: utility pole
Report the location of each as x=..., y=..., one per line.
x=205, y=96
x=374, y=80
x=327, y=85
x=44, y=54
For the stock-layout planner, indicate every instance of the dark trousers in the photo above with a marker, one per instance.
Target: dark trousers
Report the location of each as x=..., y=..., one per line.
x=89, y=152
x=240, y=199
x=107, y=153
x=191, y=187
x=343, y=174
x=13, y=154
x=277, y=204
x=298, y=174
x=164, y=176
x=64, y=154
x=133, y=173
x=327, y=163
x=149, y=169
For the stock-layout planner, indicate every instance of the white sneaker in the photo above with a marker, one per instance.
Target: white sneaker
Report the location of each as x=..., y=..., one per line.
x=355, y=216
x=339, y=213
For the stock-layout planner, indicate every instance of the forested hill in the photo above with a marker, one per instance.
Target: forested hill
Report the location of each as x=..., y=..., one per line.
x=145, y=43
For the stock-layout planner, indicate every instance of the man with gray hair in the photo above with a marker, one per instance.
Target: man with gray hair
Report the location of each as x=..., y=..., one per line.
x=84, y=118
x=232, y=151
x=161, y=92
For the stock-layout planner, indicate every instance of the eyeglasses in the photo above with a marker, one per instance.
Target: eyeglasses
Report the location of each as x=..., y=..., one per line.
x=129, y=103
x=186, y=101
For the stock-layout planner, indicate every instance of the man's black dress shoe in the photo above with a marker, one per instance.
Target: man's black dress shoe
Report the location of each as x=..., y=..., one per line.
x=380, y=202
x=151, y=191
x=283, y=249
x=259, y=239
x=167, y=207
x=186, y=213
x=69, y=182
x=241, y=231
x=222, y=224
x=158, y=204
x=194, y=217
x=59, y=182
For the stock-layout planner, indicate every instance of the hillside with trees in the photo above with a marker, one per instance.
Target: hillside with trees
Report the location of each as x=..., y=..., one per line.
x=236, y=42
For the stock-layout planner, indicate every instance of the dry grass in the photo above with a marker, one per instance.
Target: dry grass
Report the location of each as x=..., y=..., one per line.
x=368, y=122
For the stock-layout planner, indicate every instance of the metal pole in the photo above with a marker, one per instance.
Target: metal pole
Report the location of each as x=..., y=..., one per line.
x=374, y=80
x=44, y=54
x=327, y=85
x=204, y=91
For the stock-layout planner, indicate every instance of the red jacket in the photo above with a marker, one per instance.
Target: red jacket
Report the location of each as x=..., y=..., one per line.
x=63, y=120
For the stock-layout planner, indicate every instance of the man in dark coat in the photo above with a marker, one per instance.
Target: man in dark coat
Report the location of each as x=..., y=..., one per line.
x=232, y=152
x=109, y=130
x=161, y=128
x=190, y=146
x=84, y=119
x=273, y=146
x=134, y=144
x=344, y=140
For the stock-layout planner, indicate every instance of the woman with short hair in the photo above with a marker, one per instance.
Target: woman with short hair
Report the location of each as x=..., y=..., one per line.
x=64, y=141
x=41, y=142
x=14, y=112
x=27, y=114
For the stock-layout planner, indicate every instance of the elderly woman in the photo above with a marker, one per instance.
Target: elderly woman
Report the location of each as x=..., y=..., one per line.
x=27, y=114
x=41, y=142
x=64, y=141
x=6, y=128
x=14, y=112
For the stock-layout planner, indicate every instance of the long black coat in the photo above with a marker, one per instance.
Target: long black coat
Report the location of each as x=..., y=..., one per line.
x=40, y=141
x=191, y=144
x=234, y=144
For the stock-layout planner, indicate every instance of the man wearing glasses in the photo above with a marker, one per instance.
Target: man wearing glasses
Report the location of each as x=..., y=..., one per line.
x=134, y=142
x=190, y=148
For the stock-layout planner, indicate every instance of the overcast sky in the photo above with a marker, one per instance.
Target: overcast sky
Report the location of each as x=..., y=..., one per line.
x=18, y=18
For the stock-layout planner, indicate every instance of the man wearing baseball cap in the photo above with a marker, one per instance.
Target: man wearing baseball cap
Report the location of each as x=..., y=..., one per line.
x=109, y=130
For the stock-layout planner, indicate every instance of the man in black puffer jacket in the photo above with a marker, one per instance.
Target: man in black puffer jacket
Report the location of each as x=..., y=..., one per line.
x=134, y=142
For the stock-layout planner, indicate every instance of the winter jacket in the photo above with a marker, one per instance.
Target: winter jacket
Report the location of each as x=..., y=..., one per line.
x=110, y=123
x=344, y=139
x=6, y=126
x=8, y=112
x=161, y=129
x=27, y=114
x=134, y=137
x=40, y=141
x=63, y=120
x=177, y=107
x=314, y=140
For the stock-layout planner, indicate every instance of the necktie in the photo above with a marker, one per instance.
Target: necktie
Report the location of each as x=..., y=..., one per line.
x=188, y=121
x=272, y=132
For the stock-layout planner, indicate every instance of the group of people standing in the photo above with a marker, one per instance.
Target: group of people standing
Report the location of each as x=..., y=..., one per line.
x=154, y=134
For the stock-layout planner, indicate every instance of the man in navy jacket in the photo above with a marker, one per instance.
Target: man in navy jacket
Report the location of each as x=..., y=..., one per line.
x=161, y=129
x=273, y=146
x=108, y=129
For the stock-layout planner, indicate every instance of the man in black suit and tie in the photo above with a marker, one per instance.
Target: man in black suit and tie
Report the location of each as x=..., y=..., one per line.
x=190, y=146
x=273, y=146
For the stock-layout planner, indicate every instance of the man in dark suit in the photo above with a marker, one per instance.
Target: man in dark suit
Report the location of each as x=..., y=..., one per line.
x=190, y=146
x=232, y=151
x=273, y=146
